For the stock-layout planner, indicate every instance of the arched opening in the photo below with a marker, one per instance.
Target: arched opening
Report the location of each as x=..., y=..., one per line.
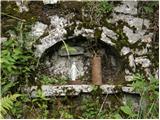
x=56, y=63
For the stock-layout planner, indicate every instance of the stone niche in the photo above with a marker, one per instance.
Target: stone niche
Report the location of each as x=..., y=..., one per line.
x=55, y=61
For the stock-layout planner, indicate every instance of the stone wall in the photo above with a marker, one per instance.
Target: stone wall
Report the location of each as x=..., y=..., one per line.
x=123, y=30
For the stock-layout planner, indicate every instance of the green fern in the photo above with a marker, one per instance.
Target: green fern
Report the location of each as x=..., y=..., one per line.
x=6, y=104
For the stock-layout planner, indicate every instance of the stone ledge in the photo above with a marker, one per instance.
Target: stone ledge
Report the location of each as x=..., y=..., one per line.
x=73, y=90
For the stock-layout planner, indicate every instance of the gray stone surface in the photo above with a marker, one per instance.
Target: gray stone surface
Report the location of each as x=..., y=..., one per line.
x=61, y=66
x=38, y=29
x=143, y=61
x=131, y=20
x=127, y=14
x=128, y=78
x=56, y=34
x=127, y=72
x=147, y=38
x=107, y=34
x=132, y=37
x=127, y=7
x=22, y=5
x=131, y=61
x=88, y=33
x=125, y=50
x=72, y=90
x=50, y=1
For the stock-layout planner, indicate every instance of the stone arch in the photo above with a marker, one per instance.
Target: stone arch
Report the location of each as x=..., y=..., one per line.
x=111, y=59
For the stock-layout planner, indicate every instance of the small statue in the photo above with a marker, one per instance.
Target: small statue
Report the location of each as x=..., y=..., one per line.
x=73, y=71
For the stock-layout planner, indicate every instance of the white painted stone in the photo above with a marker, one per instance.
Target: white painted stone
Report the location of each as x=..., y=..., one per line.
x=38, y=29
x=132, y=37
x=143, y=61
x=125, y=50
x=127, y=7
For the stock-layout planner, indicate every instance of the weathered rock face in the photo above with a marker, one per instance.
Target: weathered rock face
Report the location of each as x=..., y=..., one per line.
x=126, y=32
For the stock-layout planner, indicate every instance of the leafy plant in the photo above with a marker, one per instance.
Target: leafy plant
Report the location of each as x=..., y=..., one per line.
x=148, y=90
x=41, y=102
x=128, y=111
x=17, y=65
x=149, y=8
x=65, y=114
x=105, y=7
x=7, y=104
x=91, y=110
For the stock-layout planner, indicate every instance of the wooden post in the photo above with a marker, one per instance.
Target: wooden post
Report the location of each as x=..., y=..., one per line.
x=96, y=70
